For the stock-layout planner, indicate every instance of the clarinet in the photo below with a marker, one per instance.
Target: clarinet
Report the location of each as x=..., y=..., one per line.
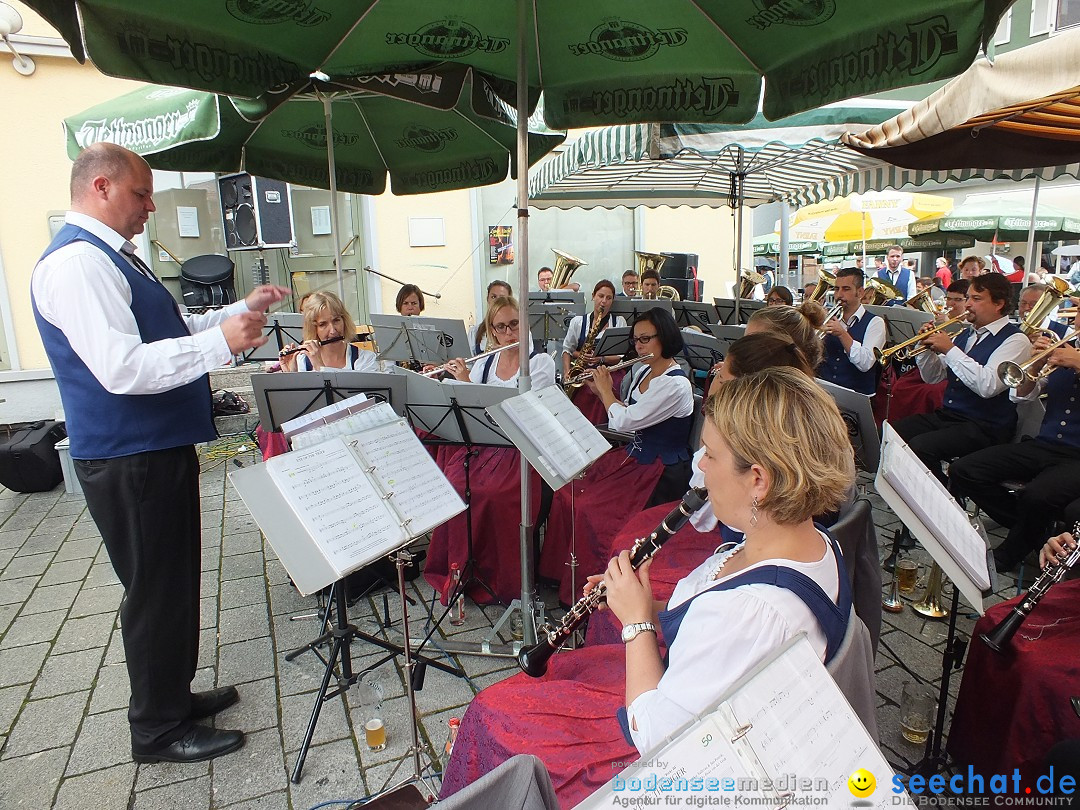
x=534, y=660
x=998, y=638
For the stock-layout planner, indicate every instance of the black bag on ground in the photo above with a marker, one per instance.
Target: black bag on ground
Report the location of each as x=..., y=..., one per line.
x=28, y=458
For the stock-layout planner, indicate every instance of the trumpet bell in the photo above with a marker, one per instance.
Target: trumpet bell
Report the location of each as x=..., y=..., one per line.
x=1052, y=296
x=1012, y=374
x=930, y=605
x=565, y=266
x=923, y=301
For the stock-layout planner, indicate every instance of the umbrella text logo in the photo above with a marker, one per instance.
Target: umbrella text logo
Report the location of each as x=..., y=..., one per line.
x=210, y=63
x=465, y=174
x=792, y=12
x=625, y=41
x=303, y=174
x=140, y=135
x=269, y=12
x=426, y=139
x=707, y=97
x=447, y=39
x=315, y=137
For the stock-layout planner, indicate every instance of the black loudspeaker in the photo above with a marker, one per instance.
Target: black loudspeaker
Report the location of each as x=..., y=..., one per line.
x=256, y=213
x=680, y=265
x=689, y=289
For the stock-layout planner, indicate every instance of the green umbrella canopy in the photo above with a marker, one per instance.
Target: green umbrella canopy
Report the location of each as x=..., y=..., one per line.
x=433, y=131
x=769, y=245
x=880, y=246
x=602, y=62
x=1003, y=220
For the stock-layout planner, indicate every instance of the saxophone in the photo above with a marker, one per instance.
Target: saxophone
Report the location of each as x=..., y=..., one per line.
x=577, y=365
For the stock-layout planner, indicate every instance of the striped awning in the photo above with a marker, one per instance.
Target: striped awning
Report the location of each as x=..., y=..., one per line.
x=1020, y=110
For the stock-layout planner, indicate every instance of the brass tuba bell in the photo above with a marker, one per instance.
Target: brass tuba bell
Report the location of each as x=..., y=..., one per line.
x=924, y=302
x=565, y=266
x=649, y=261
x=1053, y=295
x=884, y=291
x=748, y=281
x=930, y=605
x=826, y=281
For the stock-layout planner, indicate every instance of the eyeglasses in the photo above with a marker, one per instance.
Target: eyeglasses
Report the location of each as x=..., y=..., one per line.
x=956, y=299
x=641, y=340
x=503, y=328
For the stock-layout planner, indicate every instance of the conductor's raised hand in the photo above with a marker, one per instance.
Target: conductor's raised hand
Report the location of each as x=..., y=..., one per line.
x=244, y=331
x=264, y=295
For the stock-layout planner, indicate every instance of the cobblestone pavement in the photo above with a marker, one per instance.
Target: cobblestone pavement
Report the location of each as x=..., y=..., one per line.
x=63, y=687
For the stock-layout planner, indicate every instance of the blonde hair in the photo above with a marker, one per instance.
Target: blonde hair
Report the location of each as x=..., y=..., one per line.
x=499, y=304
x=799, y=323
x=316, y=302
x=786, y=423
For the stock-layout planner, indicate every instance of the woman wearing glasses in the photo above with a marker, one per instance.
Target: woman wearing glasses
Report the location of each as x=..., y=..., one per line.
x=574, y=348
x=654, y=468
x=494, y=477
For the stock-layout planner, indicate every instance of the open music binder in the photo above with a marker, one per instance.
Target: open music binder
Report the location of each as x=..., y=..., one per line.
x=784, y=736
x=330, y=508
x=551, y=433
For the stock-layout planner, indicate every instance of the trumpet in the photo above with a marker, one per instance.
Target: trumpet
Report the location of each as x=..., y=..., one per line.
x=835, y=312
x=579, y=379
x=1016, y=374
x=902, y=351
x=435, y=372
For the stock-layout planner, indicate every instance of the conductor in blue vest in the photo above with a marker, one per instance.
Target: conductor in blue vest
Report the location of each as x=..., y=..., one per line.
x=133, y=378
x=852, y=337
x=977, y=412
x=896, y=274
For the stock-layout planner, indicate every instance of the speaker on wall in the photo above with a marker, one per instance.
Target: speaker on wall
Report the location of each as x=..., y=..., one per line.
x=681, y=265
x=256, y=213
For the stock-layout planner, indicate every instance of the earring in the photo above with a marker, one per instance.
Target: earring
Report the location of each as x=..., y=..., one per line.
x=754, y=512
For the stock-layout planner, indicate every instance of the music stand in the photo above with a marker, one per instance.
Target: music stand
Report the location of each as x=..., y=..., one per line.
x=281, y=397
x=280, y=328
x=725, y=310
x=614, y=341
x=550, y=313
x=695, y=313
x=702, y=352
x=631, y=308
x=858, y=415
x=422, y=340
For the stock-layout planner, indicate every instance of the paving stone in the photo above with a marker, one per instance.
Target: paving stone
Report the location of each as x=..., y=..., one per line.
x=115, y=653
x=70, y=672
x=72, y=507
x=111, y=689
x=28, y=565
x=243, y=623
x=83, y=530
x=14, y=591
x=166, y=773
x=30, y=782
x=208, y=582
x=330, y=770
x=84, y=633
x=101, y=573
x=104, y=741
x=6, y=555
x=13, y=538
x=48, y=723
x=279, y=799
x=285, y=599
x=52, y=597
x=33, y=628
x=241, y=543
x=208, y=612
x=22, y=520
x=296, y=713
x=86, y=548
x=240, y=592
x=110, y=788
x=50, y=525
x=11, y=702
x=69, y=571
x=39, y=543
x=191, y=793
x=7, y=616
x=257, y=708
x=254, y=770
x=21, y=664
x=239, y=566
x=246, y=661
x=91, y=601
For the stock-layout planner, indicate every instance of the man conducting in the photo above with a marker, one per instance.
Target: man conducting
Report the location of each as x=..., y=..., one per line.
x=850, y=338
x=132, y=374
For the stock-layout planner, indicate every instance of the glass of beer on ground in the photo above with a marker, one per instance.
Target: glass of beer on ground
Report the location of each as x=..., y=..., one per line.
x=906, y=573
x=371, y=701
x=916, y=710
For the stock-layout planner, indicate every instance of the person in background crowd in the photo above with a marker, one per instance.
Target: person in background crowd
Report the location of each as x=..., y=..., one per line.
x=896, y=273
x=409, y=301
x=779, y=296
x=971, y=266
x=942, y=272
x=543, y=277
x=629, y=285
x=479, y=338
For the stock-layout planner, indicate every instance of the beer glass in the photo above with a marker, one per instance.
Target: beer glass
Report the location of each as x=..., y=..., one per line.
x=917, y=704
x=906, y=573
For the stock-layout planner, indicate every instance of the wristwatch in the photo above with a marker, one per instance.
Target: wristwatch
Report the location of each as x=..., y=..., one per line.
x=632, y=631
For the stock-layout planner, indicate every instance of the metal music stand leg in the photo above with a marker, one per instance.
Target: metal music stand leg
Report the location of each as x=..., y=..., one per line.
x=935, y=759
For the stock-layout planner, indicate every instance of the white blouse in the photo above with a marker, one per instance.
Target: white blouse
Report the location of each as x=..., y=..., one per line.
x=573, y=332
x=364, y=361
x=541, y=371
x=666, y=398
x=722, y=637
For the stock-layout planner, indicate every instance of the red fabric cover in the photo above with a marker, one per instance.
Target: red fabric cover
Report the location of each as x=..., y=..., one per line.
x=615, y=488
x=680, y=555
x=271, y=443
x=1011, y=708
x=590, y=404
x=910, y=395
x=566, y=718
x=495, y=481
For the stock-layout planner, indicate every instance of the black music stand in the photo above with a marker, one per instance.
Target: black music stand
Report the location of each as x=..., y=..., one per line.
x=615, y=341
x=702, y=352
x=726, y=307
x=695, y=313
x=421, y=340
x=280, y=328
x=726, y=335
x=858, y=415
x=631, y=308
x=551, y=312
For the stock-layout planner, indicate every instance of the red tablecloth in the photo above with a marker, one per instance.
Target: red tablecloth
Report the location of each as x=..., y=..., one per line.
x=1011, y=708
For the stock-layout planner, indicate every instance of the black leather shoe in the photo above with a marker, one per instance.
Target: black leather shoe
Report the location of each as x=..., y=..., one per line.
x=212, y=701
x=199, y=744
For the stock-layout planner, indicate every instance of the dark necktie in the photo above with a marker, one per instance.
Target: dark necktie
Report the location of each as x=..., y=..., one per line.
x=128, y=250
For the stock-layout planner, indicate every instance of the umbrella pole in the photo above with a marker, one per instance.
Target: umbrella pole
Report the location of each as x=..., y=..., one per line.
x=737, y=196
x=1031, y=234
x=785, y=256
x=521, y=250
x=328, y=115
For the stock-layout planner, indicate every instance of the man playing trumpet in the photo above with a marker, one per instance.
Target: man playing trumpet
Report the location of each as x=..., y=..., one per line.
x=977, y=412
x=852, y=337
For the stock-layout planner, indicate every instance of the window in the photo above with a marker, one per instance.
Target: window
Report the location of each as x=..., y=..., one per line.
x=1041, y=13
x=1068, y=14
x=1004, y=29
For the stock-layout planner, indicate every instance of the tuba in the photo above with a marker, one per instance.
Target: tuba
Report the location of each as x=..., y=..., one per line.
x=1055, y=292
x=826, y=281
x=649, y=261
x=748, y=281
x=668, y=293
x=565, y=266
x=884, y=291
x=924, y=302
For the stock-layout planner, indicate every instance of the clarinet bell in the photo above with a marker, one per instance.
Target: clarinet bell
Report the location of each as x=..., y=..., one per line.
x=893, y=603
x=930, y=605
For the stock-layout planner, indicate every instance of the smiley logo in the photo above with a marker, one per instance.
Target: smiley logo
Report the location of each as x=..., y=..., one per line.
x=861, y=783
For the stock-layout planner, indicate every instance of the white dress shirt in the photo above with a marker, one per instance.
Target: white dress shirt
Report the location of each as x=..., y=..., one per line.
x=894, y=278
x=80, y=291
x=982, y=379
x=541, y=372
x=666, y=398
x=573, y=332
x=861, y=353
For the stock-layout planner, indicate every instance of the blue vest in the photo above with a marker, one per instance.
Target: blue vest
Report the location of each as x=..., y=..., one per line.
x=668, y=440
x=903, y=279
x=1058, y=328
x=832, y=616
x=1061, y=424
x=997, y=411
x=104, y=425
x=837, y=367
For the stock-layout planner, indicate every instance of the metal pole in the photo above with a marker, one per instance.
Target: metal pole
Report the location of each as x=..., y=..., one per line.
x=1031, y=234
x=328, y=115
x=521, y=250
x=785, y=258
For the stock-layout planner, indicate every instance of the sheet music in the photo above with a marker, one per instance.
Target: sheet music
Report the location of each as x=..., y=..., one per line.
x=569, y=416
x=556, y=444
x=375, y=414
x=337, y=504
x=936, y=508
x=322, y=414
x=408, y=476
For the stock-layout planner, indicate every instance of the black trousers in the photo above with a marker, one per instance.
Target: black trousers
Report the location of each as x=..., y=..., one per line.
x=146, y=507
x=943, y=435
x=1051, y=473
